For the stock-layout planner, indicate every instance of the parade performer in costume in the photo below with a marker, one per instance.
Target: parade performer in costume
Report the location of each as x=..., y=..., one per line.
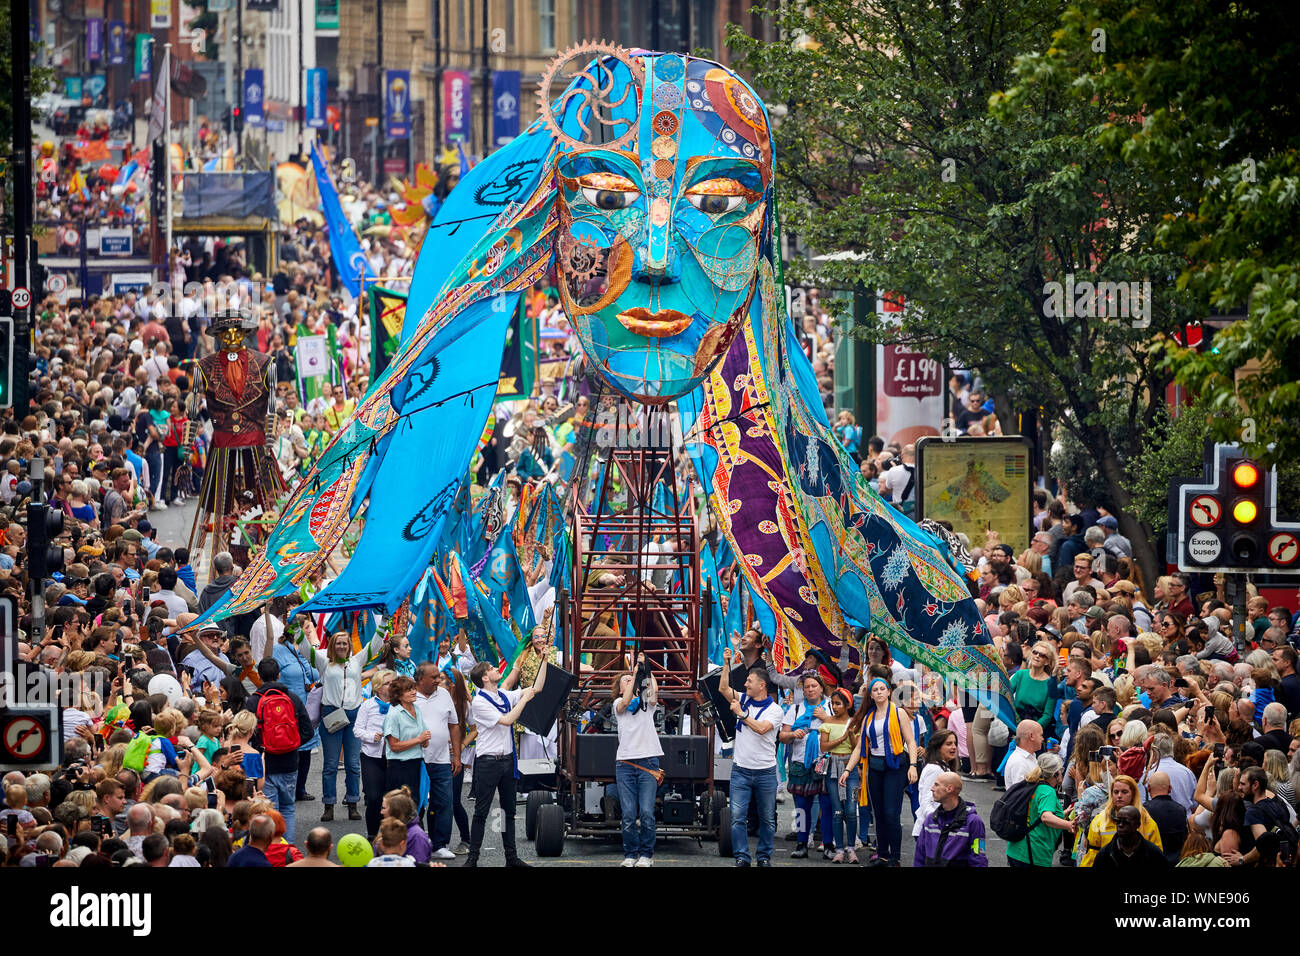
x=239, y=387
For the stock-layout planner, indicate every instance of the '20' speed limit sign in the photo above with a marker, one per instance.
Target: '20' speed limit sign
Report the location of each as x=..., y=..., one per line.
x=22, y=298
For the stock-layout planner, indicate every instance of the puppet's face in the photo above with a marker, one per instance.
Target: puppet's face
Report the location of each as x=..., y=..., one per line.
x=660, y=239
x=231, y=339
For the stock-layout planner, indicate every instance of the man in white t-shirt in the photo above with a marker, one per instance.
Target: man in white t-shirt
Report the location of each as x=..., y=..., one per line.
x=441, y=753
x=753, y=772
x=1029, y=740
x=901, y=480
x=494, y=713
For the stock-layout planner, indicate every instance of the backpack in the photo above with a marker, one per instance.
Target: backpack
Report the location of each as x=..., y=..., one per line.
x=1010, y=816
x=137, y=752
x=1287, y=837
x=276, y=714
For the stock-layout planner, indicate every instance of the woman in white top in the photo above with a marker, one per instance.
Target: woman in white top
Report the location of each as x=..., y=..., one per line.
x=368, y=729
x=340, y=699
x=636, y=771
x=940, y=757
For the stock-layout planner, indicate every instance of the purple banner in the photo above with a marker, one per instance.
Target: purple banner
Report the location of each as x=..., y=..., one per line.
x=456, y=103
x=94, y=38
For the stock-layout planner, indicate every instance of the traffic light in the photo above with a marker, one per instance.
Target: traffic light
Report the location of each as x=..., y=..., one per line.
x=44, y=524
x=1245, y=482
x=40, y=275
x=6, y=361
x=233, y=119
x=1230, y=523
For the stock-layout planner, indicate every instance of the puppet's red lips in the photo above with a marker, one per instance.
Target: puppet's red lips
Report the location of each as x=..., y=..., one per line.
x=656, y=325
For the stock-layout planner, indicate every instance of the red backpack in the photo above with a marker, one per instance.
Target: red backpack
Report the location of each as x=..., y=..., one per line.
x=279, y=722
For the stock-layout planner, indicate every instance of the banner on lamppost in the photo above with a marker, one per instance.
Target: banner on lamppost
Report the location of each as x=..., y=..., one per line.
x=456, y=103
x=316, y=92
x=160, y=14
x=94, y=38
x=72, y=87
x=397, y=103
x=253, y=89
x=116, y=42
x=143, y=47
x=505, y=106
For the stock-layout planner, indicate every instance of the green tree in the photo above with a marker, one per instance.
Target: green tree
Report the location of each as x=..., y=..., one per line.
x=905, y=137
x=1204, y=99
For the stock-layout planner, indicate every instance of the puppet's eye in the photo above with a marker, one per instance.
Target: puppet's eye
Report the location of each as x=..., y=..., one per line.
x=608, y=190
x=716, y=196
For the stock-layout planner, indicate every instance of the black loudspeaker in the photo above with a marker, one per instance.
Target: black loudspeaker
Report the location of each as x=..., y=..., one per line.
x=725, y=721
x=596, y=754
x=685, y=758
x=539, y=713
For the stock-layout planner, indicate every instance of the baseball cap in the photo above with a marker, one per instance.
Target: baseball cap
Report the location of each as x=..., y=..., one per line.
x=133, y=536
x=1095, y=613
x=1108, y=521
x=1005, y=549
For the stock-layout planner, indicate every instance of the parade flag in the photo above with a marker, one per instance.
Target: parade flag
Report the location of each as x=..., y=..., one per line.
x=387, y=311
x=345, y=247
x=414, y=487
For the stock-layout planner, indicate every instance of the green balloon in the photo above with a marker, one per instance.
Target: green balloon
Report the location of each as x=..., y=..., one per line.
x=353, y=850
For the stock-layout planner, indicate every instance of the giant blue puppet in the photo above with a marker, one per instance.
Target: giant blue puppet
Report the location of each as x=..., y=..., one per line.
x=647, y=183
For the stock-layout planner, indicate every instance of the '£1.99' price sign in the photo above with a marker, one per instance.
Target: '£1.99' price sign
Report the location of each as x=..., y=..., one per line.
x=910, y=374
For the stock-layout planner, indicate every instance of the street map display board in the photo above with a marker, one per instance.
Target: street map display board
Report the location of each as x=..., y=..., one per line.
x=977, y=484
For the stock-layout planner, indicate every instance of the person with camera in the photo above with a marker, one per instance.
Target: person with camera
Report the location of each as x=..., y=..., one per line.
x=753, y=773
x=637, y=761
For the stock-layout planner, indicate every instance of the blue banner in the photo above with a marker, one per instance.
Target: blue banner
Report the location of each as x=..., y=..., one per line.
x=505, y=106
x=447, y=396
x=116, y=42
x=397, y=103
x=345, y=248
x=316, y=92
x=94, y=38
x=253, y=98
x=72, y=87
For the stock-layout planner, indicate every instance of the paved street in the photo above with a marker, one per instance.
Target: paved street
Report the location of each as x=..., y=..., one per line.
x=676, y=852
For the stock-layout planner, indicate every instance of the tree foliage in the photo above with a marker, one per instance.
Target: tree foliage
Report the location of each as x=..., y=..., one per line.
x=1212, y=110
x=909, y=137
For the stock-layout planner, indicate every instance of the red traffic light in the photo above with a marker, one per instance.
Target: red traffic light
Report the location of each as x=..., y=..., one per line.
x=1245, y=474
